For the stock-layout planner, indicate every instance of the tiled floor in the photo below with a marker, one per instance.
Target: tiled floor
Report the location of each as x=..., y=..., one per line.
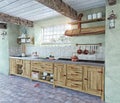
x=15, y=89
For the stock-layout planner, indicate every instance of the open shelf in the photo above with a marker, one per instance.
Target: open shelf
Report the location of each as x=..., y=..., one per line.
x=39, y=76
x=85, y=31
x=87, y=21
x=25, y=40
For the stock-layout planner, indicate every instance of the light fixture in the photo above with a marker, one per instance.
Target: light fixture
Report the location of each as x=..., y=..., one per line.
x=4, y=33
x=111, y=19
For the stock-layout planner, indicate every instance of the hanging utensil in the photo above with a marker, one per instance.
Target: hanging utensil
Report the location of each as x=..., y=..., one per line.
x=79, y=51
x=85, y=51
x=90, y=51
x=93, y=49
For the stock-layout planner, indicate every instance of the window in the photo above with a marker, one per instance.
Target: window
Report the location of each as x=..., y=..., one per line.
x=55, y=34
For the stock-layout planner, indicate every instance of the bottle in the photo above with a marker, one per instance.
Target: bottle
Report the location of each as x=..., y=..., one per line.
x=94, y=15
x=99, y=15
x=89, y=17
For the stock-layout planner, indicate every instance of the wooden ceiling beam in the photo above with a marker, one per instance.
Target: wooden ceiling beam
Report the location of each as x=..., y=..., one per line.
x=112, y=2
x=61, y=7
x=3, y=26
x=15, y=20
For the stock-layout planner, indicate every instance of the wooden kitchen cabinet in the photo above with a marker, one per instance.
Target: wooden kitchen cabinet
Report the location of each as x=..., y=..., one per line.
x=60, y=74
x=20, y=67
x=26, y=68
x=84, y=78
x=75, y=76
x=93, y=80
x=13, y=66
x=42, y=71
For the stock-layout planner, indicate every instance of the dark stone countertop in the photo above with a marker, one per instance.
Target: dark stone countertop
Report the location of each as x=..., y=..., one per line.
x=65, y=61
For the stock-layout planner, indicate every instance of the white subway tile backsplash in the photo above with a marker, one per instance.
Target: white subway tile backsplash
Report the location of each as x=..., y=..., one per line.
x=57, y=51
x=15, y=51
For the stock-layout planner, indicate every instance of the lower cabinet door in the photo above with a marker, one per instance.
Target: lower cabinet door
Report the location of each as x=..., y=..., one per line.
x=13, y=69
x=60, y=74
x=93, y=80
x=26, y=68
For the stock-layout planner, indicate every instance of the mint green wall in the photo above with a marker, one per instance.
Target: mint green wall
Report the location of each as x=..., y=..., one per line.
x=13, y=32
x=4, y=61
x=112, y=68
x=10, y=40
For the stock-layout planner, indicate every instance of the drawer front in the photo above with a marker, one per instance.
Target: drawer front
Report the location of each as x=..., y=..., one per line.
x=36, y=64
x=19, y=61
x=75, y=76
x=47, y=65
x=74, y=72
x=35, y=68
x=74, y=84
x=74, y=68
x=49, y=70
x=46, y=69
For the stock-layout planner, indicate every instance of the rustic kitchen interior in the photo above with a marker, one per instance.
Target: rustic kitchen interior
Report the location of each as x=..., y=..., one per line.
x=59, y=51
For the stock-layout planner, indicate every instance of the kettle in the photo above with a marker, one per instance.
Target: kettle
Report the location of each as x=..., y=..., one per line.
x=74, y=58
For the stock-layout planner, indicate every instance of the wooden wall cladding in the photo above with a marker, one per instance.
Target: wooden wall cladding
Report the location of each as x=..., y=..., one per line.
x=3, y=26
x=112, y=2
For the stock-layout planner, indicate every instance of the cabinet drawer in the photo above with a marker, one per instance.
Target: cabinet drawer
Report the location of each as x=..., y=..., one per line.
x=47, y=65
x=74, y=76
x=49, y=70
x=35, y=68
x=36, y=64
x=46, y=69
x=77, y=85
x=19, y=61
x=69, y=71
x=74, y=68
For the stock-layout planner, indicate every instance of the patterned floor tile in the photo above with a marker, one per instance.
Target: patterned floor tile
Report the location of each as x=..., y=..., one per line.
x=15, y=89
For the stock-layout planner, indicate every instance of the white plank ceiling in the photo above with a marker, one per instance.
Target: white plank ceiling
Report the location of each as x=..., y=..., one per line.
x=32, y=10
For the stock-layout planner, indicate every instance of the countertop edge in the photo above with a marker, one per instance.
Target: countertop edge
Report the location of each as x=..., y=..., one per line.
x=60, y=61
